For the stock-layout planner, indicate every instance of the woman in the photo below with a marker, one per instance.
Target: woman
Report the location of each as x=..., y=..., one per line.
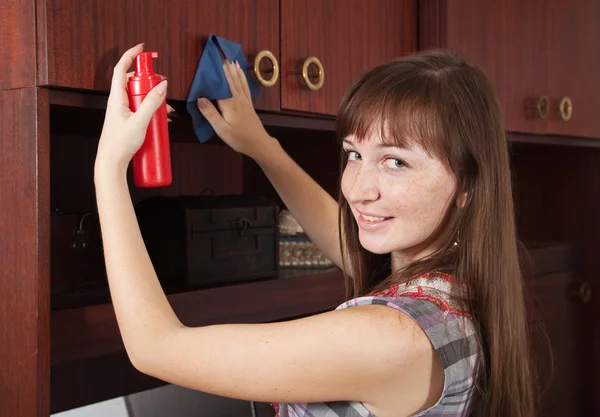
x=424, y=227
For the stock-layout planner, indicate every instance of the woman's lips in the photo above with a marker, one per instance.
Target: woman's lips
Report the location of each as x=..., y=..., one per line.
x=372, y=222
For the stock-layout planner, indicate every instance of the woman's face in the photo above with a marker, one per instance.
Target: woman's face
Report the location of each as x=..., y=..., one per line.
x=398, y=197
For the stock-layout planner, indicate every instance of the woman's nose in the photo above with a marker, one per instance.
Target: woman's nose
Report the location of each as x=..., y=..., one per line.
x=363, y=186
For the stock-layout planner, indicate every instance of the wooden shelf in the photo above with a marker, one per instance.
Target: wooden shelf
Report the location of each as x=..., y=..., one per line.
x=82, y=113
x=86, y=108
x=92, y=331
x=88, y=359
x=553, y=140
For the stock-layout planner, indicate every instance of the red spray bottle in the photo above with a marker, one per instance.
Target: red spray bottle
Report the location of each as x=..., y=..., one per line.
x=152, y=162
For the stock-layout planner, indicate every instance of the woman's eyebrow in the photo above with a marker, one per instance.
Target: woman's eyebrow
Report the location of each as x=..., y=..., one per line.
x=391, y=145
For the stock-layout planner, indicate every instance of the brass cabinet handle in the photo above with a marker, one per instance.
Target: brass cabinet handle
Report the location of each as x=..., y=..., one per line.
x=313, y=86
x=259, y=57
x=543, y=107
x=565, y=107
x=583, y=292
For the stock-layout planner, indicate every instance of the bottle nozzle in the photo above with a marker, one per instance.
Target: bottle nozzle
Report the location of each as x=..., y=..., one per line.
x=143, y=63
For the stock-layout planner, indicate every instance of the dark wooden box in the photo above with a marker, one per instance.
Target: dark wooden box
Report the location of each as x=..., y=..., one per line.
x=201, y=241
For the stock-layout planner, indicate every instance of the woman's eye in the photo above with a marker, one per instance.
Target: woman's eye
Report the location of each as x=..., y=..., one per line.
x=353, y=156
x=394, y=163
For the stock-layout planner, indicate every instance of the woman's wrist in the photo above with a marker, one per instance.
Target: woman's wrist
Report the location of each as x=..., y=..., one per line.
x=107, y=170
x=266, y=151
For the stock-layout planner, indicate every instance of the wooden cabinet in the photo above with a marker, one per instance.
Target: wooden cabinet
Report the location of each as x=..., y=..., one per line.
x=82, y=41
x=24, y=253
x=573, y=67
x=563, y=343
x=550, y=185
x=495, y=34
x=347, y=37
x=535, y=53
x=55, y=70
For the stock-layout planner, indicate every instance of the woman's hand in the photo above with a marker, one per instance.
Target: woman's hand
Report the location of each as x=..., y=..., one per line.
x=124, y=131
x=239, y=125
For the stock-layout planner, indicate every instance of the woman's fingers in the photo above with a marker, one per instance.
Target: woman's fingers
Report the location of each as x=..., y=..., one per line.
x=243, y=81
x=153, y=100
x=233, y=79
x=118, y=89
x=169, y=111
x=211, y=114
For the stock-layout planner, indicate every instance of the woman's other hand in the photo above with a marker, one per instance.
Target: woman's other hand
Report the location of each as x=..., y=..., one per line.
x=239, y=125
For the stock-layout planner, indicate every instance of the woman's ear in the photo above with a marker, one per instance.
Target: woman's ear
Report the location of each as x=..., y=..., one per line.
x=461, y=199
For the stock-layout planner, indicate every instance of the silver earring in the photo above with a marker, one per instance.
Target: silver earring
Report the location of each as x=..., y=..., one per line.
x=457, y=241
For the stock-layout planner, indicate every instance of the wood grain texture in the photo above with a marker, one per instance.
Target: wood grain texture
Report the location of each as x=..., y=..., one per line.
x=17, y=37
x=349, y=37
x=574, y=65
x=24, y=253
x=84, y=40
x=563, y=318
x=507, y=39
x=433, y=20
x=557, y=200
x=92, y=331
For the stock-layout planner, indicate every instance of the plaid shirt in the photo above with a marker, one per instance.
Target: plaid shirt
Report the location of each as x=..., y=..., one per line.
x=451, y=332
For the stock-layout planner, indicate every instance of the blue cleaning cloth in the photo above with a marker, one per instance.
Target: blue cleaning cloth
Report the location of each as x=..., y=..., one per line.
x=210, y=82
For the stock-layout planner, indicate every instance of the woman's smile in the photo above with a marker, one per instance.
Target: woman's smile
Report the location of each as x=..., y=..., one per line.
x=371, y=222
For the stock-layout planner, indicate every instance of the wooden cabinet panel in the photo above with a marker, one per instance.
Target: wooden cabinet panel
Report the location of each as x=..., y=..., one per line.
x=565, y=383
x=17, y=54
x=506, y=38
x=348, y=37
x=83, y=40
x=574, y=66
x=24, y=253
x=528, y=49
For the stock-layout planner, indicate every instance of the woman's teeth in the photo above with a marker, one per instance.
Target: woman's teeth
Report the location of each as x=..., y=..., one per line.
x=374, y=219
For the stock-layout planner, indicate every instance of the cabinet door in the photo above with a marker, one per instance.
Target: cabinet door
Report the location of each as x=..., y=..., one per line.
x=348, y=37
x=508, y=40
x=574, y=67
x=559, y=301
x=82, y=40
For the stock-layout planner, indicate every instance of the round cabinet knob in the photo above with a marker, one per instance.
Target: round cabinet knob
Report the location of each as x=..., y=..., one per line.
x=313, y=60
x=565, y=107
x=583, y=292
x=542, y=107
x=265, y=54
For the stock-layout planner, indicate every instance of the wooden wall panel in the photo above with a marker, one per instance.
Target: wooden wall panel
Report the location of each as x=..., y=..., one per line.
x=24, y=253
x=85, y=39
x=348, y=37
x=506, y=38
x=17, y=37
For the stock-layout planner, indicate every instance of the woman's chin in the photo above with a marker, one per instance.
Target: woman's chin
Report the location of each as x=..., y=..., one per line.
x=374, y=247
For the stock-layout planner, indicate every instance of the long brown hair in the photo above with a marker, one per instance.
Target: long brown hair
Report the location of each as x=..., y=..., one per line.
x=447, y=106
